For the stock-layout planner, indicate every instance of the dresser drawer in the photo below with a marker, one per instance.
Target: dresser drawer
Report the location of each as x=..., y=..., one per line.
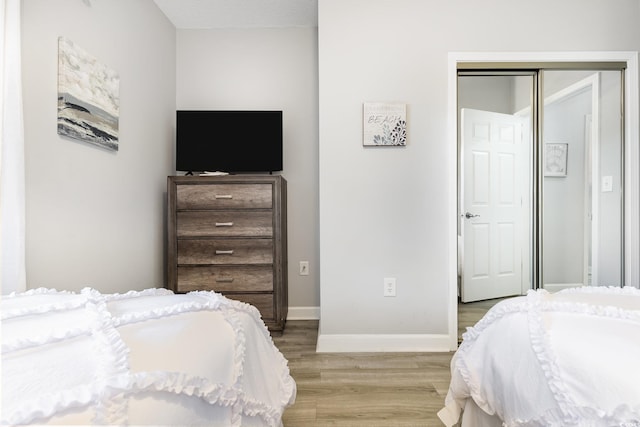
x=225, y=279
x=224, y=196
x=225, y=251
x=263, y=302
x=224, y=223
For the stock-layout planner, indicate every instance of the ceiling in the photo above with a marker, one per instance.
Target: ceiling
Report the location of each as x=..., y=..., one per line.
x=205, y=14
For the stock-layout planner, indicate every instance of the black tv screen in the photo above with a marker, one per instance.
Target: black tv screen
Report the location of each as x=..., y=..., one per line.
x=228, y=141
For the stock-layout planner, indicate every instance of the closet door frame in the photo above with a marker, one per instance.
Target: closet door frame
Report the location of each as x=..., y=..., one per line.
x=631, y=135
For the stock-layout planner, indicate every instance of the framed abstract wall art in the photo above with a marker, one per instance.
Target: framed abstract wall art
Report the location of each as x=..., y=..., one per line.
x=555, y=159
x=88, y=97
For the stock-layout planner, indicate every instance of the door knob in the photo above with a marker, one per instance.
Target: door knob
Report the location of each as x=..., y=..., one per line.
x=470, y=215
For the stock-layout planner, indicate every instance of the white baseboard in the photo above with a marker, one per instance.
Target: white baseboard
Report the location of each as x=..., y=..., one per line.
x=368, y=343
x=303, y=313
x=354, y=343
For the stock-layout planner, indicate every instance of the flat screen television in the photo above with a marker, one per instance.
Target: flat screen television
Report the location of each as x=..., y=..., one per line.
x=228, y=141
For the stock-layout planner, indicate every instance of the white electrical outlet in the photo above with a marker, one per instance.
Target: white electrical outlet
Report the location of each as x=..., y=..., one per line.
x=304, y=268
x=389, y=287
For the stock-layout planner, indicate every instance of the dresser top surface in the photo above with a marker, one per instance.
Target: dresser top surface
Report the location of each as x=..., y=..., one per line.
x=248, y=178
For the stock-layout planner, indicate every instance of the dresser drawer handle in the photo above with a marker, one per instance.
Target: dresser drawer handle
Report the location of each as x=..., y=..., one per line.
x=224, y=196
x=224, y=279
x=220, y=252
x=224, y=224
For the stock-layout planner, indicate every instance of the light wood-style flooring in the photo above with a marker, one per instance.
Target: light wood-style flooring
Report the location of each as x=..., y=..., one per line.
x=470, y=313
x=366, y=389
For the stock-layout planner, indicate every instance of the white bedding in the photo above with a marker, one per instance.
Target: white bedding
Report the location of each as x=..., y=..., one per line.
x=566, y=359
x=150, y=357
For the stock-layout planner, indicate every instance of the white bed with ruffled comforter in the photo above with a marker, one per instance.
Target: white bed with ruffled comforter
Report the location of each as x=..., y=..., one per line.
x=140, y=358
x=571, y=358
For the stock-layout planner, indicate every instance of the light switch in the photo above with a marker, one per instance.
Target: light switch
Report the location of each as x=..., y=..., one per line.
x=607, y=184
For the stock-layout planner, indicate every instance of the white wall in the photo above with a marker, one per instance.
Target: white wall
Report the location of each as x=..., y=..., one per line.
x=96, y=217
x=270, y=69
x=383, y=212
x=488, y=93
x=610, y=203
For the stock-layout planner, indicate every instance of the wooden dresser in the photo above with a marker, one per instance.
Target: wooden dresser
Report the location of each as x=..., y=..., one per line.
x=229, y=234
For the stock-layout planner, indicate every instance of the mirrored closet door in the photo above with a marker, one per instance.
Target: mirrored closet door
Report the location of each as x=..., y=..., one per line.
x=540, y=180
x=582, y=178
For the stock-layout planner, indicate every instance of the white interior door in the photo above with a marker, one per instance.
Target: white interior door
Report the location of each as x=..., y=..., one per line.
x=492, y=229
